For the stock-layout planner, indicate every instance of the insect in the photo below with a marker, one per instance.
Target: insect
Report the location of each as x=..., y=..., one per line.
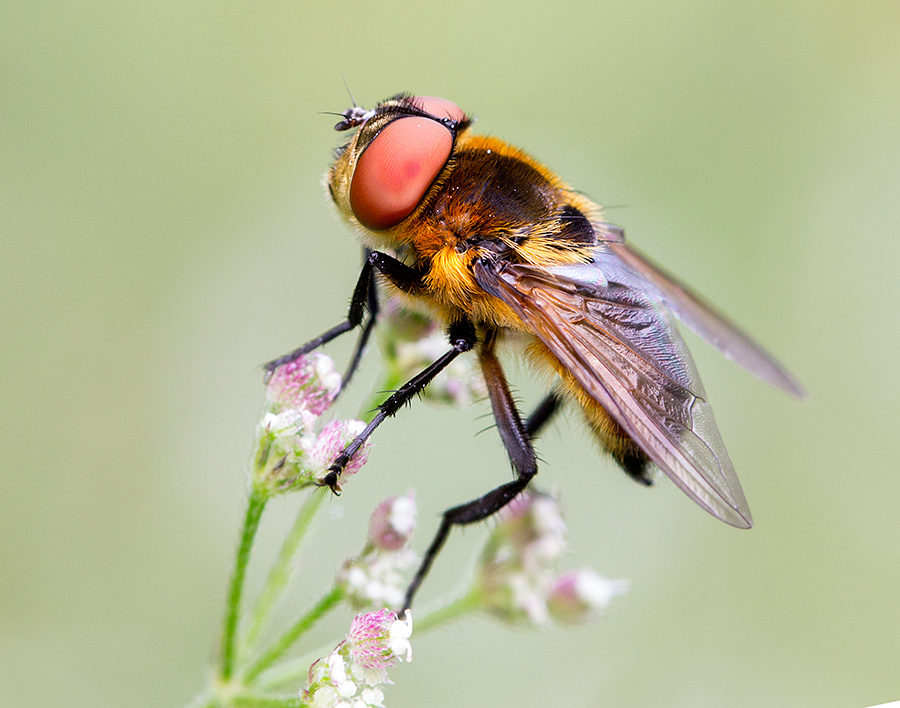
x=497, y=247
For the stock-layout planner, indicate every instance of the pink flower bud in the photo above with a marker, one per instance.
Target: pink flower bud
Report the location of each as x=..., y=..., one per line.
x=517, y=579
x=392, y=523
x=335, y=436
x=354, y=673
x=577, y=595
x=308, y=383
x=370, y=640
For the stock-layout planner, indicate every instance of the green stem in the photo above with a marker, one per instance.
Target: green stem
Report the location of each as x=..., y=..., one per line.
x=461, y=606
x=252, y=700
x=255, y=505
x=284, y=642
x=281, y=569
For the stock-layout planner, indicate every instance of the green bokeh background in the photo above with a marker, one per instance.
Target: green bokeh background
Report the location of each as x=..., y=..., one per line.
x=164, y=231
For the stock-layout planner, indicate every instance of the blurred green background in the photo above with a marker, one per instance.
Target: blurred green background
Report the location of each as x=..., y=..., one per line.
x=164, y=232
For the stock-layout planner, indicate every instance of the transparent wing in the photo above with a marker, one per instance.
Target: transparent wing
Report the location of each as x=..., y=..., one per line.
x=706, y=321
x=619, y=342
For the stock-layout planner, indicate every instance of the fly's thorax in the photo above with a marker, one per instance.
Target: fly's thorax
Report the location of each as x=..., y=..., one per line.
x=493, y=202
x=494, y=198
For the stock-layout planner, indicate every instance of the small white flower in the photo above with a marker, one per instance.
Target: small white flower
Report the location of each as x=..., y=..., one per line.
x=550, y=529
x=339, y=678
x=378, y=577
x=529, y=597
x=577, y=595
x=597, y=591
x=328, y=376
x=376, y=676
x=355, y=672
x=403, y=515
x=400, y=633
x=324, y=697
x=372, y=697
x=517, y=578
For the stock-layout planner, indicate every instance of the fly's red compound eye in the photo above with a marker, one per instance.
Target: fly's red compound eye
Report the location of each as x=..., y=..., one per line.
x=439, y=107
x=395, y=171
x=398, y=167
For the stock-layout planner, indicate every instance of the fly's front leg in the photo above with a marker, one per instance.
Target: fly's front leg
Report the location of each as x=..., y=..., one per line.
x=462, y=339
x=516, y=437
x=372, y=305
x=403, y=276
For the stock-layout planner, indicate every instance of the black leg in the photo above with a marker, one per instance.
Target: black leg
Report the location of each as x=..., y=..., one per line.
x=373, y=307
x=517, y=440
x=405, y=278
x=462, y=339
x=542, y=414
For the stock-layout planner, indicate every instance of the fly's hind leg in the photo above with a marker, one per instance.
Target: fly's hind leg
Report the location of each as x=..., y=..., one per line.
x=516, y=436
x=542, y=414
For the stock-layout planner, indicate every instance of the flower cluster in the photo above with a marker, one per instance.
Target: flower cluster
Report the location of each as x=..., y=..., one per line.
x=379, y=575
x=291, y=451
x=295, y=445
x=517, y=577
x=411, y=341
x=353, y=675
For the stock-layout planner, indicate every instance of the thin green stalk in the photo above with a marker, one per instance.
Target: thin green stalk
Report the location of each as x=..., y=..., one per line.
x=284, y=642
x=255, y=505
x=252, y=700
x=281, y=570
x=467, y=603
